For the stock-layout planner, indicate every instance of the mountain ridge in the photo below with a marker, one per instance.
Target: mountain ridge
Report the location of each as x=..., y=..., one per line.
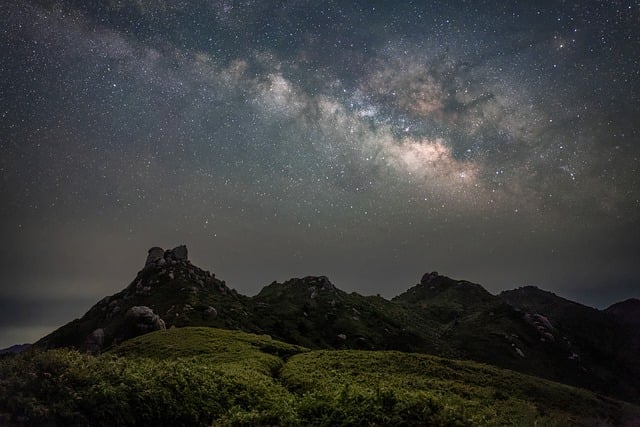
x=527, y=329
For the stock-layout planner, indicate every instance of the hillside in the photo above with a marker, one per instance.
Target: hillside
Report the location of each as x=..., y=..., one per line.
x=604, y=345
x=204, y=376
x=627, y=312
x=312, y=312
x=168, y=291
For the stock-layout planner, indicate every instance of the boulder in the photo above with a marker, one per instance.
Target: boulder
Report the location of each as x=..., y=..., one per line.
x=141, y=320
x=155, y=255
x=140, y=312
x=180, y=253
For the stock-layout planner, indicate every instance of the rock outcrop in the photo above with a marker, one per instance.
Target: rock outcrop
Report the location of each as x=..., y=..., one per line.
x=155, y=255
x=141, y=320
x=428, y=277
x=179, y=253
x=159, y=257
x=138, y=320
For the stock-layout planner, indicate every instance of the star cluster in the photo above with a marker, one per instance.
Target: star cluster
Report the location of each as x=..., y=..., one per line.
x=368, y=141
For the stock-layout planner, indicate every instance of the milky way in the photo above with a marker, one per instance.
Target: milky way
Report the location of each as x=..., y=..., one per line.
x=367, y=141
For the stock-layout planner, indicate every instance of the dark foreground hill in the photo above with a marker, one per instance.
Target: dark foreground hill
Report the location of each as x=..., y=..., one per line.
x=526, y=330
x=204, y=376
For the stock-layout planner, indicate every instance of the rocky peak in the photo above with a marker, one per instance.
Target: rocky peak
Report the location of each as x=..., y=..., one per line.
x=159, y=257
x=429, y=277
x=626, y=311
x=321, y=281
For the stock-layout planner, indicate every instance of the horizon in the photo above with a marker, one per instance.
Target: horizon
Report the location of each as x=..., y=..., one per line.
x=369, y=142
x=10, y=335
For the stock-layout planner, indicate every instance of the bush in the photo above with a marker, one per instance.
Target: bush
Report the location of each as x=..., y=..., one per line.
x=64, y=387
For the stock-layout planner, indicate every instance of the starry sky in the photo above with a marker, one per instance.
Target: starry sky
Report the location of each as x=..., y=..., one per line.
x=369, y=141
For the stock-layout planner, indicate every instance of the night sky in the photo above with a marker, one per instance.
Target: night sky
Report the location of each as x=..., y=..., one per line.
x=492, y=141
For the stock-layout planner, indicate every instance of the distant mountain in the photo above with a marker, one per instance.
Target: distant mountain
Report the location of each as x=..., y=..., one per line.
x=627, y=312
x=602, y=345
x=527, y=329
x=15, y=349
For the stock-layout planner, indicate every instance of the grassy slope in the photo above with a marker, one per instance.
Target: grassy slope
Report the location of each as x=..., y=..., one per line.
x=473, y=393
x=200, y=376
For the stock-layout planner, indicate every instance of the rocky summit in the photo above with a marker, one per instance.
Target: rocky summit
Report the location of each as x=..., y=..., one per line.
x=527, y=329
x=168, y=292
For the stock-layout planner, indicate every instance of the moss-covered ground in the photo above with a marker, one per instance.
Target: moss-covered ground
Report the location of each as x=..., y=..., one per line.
x=206, y=376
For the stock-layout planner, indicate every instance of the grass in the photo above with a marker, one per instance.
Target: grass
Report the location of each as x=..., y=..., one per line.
x=205, y=376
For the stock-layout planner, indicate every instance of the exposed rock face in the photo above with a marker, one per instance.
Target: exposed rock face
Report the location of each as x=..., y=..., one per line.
x=542, y=324
x=159, y=257
x=180, y=253
x=141, y=320
x=429, y=277
x=322, y=282
x=155, y=255
x=145, y=318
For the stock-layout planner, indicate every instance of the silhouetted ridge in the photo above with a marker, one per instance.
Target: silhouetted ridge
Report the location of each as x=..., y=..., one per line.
x=438, y=290
x=627, y=311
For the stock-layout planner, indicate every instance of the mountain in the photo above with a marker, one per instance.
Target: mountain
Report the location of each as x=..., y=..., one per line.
x=626, y=312
x=168, y=292
x=312, y=312
x=474, y=324
x=598, y=341
x=527, y=329
x=15, y=349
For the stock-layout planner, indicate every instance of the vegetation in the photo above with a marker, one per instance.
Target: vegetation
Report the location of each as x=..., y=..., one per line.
x=531, y=332
x=205, y=376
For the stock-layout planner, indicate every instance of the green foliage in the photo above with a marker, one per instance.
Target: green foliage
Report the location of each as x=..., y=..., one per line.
x=204, y=376
x=350, y=406
x=67, y=388
x=458, y=391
